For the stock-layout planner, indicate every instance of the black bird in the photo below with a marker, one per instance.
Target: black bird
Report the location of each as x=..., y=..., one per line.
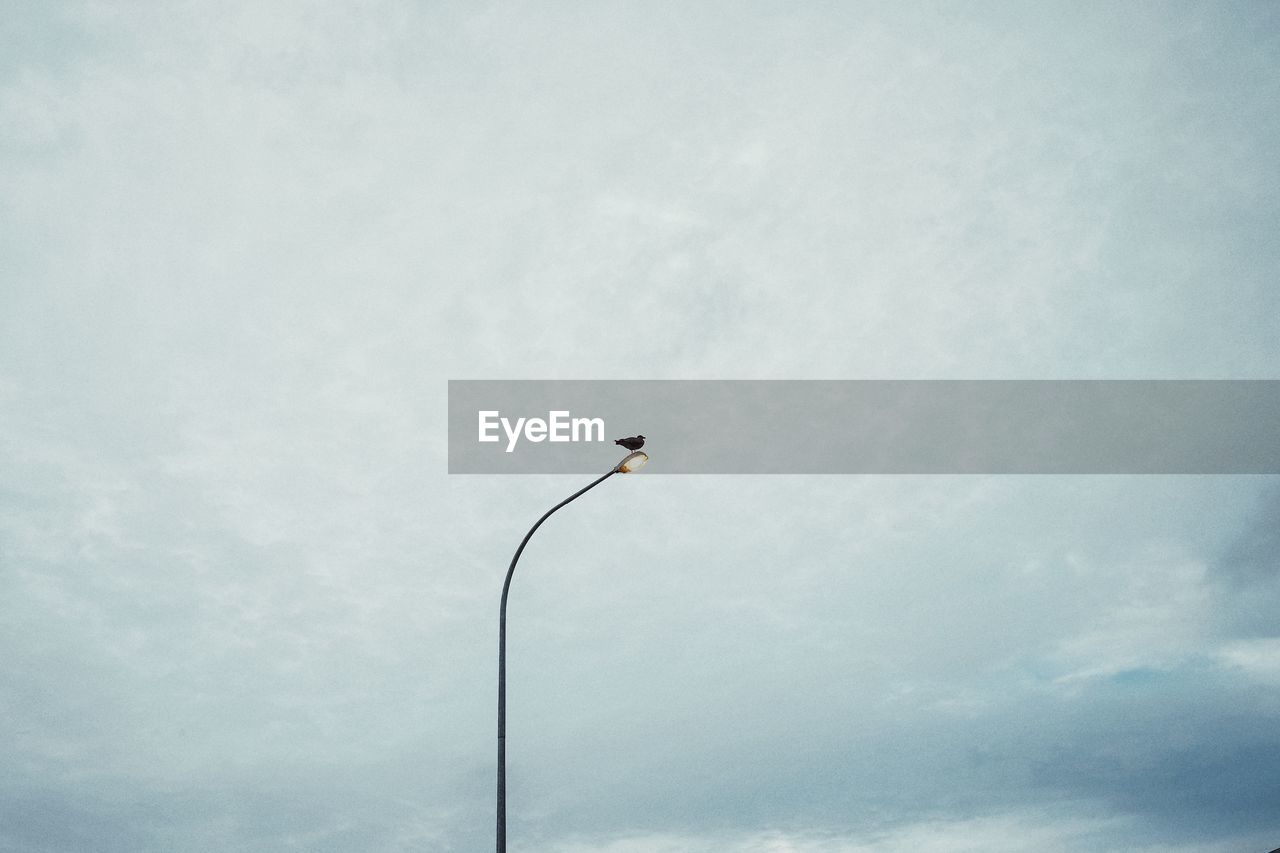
x=632, y=444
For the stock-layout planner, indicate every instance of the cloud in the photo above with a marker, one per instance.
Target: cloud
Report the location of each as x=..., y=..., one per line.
x=243, y=607
x=1259, y=659
x=1013, y=832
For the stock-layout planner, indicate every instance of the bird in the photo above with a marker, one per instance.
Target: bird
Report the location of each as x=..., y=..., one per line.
x=632, y=444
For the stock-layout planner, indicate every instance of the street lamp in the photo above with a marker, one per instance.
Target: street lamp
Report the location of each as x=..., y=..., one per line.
x=632, y=462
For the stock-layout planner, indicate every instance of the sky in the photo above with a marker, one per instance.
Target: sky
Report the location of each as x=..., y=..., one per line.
x=243, y=247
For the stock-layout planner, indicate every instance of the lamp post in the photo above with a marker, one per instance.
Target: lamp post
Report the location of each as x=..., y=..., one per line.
x=632, y=462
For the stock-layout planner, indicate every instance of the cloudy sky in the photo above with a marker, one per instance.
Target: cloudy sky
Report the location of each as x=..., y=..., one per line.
x=244, y=245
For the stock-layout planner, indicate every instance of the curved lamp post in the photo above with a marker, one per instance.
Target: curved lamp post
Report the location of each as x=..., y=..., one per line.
x=633, y=462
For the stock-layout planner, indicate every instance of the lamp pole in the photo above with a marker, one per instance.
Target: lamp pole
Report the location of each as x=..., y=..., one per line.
x=632, y=462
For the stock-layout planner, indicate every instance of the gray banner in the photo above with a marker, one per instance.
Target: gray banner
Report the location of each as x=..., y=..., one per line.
x=868, y=426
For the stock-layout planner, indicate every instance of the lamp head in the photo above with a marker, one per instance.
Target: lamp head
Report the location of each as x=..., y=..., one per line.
x=633, y=462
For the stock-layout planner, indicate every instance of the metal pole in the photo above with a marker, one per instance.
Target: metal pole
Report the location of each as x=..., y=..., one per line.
x=502, y=666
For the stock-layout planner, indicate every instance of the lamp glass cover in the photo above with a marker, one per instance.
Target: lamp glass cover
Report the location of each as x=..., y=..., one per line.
x=633, y=462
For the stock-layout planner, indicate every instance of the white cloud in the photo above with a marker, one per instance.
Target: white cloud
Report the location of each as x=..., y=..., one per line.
x=1005, y=833
x=1258, y=659
x=1153, y=612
